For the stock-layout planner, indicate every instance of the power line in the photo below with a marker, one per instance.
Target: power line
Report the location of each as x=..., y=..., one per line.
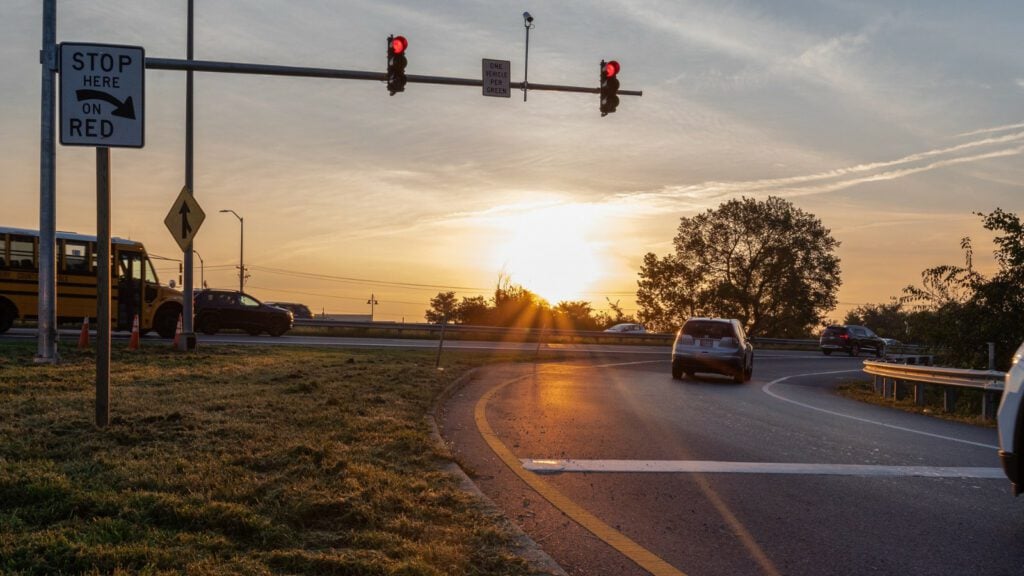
x=386, y=301
x=315, y=276
x=410, y=285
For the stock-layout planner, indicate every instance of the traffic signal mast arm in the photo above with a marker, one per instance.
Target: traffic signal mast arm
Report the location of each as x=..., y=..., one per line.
x=303, y=72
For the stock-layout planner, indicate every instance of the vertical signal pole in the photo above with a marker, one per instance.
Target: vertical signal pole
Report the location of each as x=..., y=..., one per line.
x=103, y=286
x=46, y=351
x=527, y=23
x=187, y=342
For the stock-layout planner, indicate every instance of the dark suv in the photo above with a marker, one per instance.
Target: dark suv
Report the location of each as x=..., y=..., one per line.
x=218, y=309
x=298, y=310
x=850, y=339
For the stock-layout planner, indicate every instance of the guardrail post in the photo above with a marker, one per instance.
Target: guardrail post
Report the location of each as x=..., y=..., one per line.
x=949, y=395
x=879, y=387
x=989, y=400
x=919, y=394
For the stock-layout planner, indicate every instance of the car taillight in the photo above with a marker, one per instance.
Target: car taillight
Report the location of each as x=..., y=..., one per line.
x=844, y=336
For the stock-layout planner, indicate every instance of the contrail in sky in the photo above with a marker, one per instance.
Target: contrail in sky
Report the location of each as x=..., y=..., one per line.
x=842, y=178
x=990, y=130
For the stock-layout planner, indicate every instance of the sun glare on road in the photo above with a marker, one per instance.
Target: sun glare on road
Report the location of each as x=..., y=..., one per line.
x=551, y=251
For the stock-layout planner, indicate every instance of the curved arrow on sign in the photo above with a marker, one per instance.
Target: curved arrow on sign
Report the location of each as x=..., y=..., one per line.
x=124, y=109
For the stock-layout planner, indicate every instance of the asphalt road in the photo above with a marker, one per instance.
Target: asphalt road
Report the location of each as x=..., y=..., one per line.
x=614, y=468
x=610, y=465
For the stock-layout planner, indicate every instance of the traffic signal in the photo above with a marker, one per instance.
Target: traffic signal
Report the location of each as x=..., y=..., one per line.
x=609, y=87
x=396, y=63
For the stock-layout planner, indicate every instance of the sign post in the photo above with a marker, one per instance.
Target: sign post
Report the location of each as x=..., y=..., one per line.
x=102, y=104
x=103, y=273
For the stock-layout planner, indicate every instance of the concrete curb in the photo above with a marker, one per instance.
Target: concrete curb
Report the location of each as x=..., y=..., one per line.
x=539, y=561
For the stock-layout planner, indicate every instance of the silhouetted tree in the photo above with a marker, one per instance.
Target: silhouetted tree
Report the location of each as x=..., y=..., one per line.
x=515, y=306
x=768, y=264
x=575, y=315
x=887, y=320
x=443, y=308
x=961, y=310
x=474, y=311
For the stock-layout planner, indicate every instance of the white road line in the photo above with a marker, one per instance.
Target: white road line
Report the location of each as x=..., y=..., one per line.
x=767, y=390
x=557, y=466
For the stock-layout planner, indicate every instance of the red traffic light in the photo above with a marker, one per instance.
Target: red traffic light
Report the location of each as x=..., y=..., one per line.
x=399, y=44
x=611, y=69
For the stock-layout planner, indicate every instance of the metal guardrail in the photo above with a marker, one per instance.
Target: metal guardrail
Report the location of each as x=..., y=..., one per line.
x=500, y=333
x=981, y=379
x=990, y=382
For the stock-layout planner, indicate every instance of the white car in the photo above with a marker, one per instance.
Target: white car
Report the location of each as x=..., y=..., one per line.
x=1011, y=424
x=631, y=328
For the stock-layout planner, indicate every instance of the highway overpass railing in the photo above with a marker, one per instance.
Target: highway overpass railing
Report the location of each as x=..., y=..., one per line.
x=891, y=380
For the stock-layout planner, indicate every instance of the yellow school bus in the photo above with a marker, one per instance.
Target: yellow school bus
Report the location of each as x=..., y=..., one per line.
x=134, y=289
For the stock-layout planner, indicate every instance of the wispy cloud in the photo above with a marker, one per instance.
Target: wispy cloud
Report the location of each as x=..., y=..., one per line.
x=992, y=130
x=842, y=178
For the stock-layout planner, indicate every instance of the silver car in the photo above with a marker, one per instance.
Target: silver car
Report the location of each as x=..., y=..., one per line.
x=715, y=345
x=1011, y=424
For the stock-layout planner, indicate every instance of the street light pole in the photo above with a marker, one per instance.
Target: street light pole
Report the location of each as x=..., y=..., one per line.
x=241, y=251
x=372, y=302
x=202, y=269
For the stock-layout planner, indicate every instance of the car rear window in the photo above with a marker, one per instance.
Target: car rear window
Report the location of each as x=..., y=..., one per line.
x=834, y=331
x=708, y=329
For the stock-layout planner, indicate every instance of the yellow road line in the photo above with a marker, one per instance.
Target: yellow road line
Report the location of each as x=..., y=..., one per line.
x=635, y=552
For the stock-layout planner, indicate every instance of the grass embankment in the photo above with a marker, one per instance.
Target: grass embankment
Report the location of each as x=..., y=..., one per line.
x=235, y=460
x=967, y=409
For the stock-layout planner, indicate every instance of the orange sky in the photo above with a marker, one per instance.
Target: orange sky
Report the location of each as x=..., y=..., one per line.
x=892, y=126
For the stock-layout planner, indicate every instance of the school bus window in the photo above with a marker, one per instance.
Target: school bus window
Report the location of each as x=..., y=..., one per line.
x=23, y=253
x=3, y=251
x=150, y=274
x=76, y=259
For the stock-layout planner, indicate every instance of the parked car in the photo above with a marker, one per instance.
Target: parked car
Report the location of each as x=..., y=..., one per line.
x=715, y=345
x=219, y=309
x=627, y=327
x=850, y=339
x=1011, y=424
x=298, y=310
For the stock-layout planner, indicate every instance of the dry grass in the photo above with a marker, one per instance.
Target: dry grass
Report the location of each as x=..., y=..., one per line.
x=968, y=406
x=235, y=460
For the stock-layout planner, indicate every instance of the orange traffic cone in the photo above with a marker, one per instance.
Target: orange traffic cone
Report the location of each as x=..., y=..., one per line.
x=177, y=333
x=133, y=344
x=83, y=338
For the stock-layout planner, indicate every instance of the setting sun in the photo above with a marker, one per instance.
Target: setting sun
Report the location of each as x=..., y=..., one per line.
x=551, y=251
